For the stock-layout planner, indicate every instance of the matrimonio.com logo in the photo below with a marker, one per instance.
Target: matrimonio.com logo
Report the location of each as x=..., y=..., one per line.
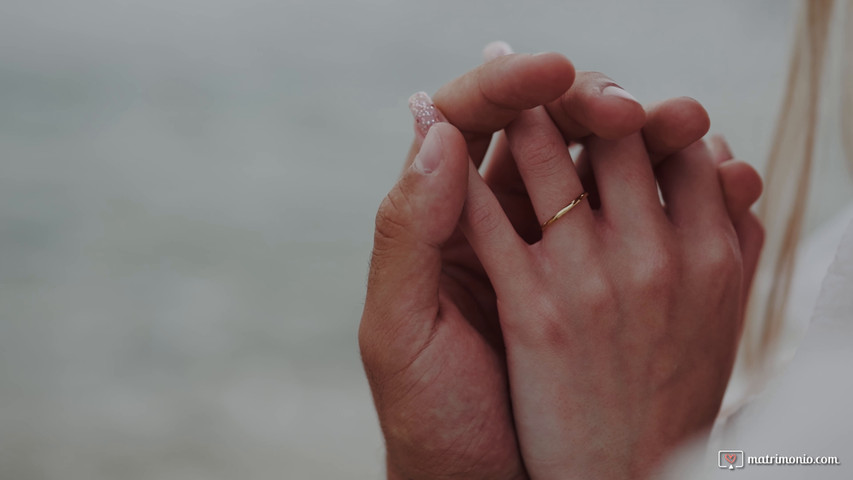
x=730, y=459
x=734, y=459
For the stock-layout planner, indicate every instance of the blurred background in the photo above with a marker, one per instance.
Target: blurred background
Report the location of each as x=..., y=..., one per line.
x=187, y=192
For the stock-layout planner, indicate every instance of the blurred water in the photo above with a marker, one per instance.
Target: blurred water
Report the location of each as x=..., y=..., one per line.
x=187, y=190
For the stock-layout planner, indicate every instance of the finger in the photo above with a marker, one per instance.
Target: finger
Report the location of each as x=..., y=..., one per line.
x=593, y=93
x=501, y=251
x=502, y=176
x=487, y=98
x=546, y=167
x=741, y=183
x=596, y=105
x=673, y=125
x=419, y=214
x=425, y=114
x=720, y=149
x=750, y=236
x=691, y=188
x=741, y=186
x=501, y=171
x=503, y=179
x=587, y=177
x=625, y=179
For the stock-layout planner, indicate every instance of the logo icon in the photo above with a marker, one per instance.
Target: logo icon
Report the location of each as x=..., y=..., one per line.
x=730, y=459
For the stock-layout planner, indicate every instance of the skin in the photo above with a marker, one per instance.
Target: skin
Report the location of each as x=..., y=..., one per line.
x=621, y=324
x=433, y=350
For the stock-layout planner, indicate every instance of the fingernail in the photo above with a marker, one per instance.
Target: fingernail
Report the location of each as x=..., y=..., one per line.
x=429, y=157
x=618, y=92
x=425, y=112
x=496, y=49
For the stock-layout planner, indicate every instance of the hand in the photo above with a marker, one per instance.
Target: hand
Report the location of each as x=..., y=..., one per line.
x=426, y=285
x=621, y=324
x=429, y=336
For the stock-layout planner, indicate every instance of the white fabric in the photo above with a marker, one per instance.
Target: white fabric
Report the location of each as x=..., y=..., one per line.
x=808, y=408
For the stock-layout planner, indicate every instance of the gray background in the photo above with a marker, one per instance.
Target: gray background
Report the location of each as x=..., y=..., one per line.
x=187, y=191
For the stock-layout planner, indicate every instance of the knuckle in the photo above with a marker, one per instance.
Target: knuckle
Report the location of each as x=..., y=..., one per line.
x=664, y=366
x=481, y=218
x=555, y=321
x=719, y=257
x=542, y=158
x=597, y=294
x=656, y=273
x=391, y=217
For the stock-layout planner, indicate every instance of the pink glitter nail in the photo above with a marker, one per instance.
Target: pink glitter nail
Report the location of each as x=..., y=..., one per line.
x=496, y=49
x=425, y=112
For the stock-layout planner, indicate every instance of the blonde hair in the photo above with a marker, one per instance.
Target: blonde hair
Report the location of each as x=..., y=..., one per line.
x=788, y=176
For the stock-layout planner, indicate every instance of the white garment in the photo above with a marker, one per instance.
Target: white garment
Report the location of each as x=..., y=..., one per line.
x=807, y=410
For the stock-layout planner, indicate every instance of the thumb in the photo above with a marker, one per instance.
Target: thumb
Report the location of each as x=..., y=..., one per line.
x=417, y=216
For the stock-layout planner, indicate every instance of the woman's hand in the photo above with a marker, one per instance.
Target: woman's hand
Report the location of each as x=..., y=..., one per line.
x=430, y=337
x=621, y=324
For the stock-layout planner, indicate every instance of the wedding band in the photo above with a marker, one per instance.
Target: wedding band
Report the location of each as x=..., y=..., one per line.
x=564, y=210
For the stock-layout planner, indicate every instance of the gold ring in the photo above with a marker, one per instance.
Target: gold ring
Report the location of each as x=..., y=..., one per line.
x=564, y=211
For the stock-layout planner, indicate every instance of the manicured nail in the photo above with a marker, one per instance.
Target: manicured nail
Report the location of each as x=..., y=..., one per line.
x=618, y=92
x=425, y=113
x=496, y=49
x=429, y=157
